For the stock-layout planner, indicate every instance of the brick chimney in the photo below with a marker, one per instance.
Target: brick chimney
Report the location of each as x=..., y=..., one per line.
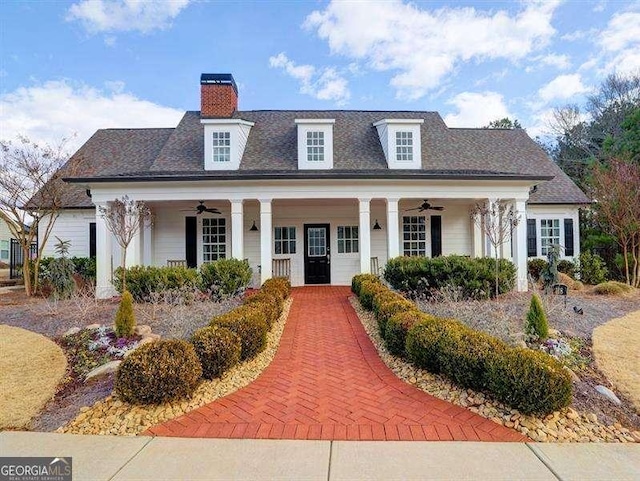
x=218, y=95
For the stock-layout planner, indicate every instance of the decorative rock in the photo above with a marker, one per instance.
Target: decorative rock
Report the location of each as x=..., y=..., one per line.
x=143, y=330
x=608, y=393
x=93, y=326
x=107, y=368
x=72, y=331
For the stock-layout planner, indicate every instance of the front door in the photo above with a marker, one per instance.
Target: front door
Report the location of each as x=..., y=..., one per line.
x=317, y=258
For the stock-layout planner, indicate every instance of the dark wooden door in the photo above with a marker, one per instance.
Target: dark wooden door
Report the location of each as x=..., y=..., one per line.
x=317, y=256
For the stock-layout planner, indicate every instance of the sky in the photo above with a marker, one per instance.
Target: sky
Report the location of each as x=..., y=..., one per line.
x=68, y=68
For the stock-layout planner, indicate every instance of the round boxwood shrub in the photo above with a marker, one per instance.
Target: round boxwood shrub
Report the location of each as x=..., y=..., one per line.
x=249, y=323
x=218, y=350
x=158, y=372
x=427, y=342
x=357, y=280
x=368, y=290
x=535, y=268
x=398, y=326
x=268, y=303
x=281, y=284
x=390, y=308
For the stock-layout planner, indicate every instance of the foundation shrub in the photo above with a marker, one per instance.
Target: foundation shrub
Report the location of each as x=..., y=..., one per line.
x=535, y=268
x=142, y=281
x=368, y=290
x=225, y=277
x=158, y=372
x=249, y=323
x=280, y=284
x=567, y=267
x=390, y=308
x=218, y=350
x=266, y=302
x=397, y=327
x=611, y=288
x=357, y=280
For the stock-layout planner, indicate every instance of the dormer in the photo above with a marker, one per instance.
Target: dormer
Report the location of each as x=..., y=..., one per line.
x=315, y=144
x=400, y=140
x=224, y=142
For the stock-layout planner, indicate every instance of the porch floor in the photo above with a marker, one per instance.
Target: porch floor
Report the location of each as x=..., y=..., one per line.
x=328, y=382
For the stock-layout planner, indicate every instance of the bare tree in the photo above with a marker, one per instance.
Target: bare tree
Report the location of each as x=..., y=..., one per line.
x=496, y=219
x=31, y=195
x=124, y=218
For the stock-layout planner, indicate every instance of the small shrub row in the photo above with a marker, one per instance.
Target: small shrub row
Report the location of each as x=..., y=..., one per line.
x=528, y=380
x=168, y=370
x=474, y=276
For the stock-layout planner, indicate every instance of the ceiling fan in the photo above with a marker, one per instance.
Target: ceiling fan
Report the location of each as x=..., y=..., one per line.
x=425, y=206
x=200, y=208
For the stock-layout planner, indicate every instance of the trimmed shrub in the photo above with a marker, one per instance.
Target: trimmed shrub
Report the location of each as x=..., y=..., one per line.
x=357, y=280
x=142, y=281
x=535, y=268
x=225, y=277
x=427, y=340
x=158, y=372
x=537, y=323
x=249, y=323
x=612, y=288
x=280, y=284
x=592, y=268
x=531, y=381
x=397, y=327
x=368, y=290
x=218, y=350
x=125, y=318
x=390, y=308
x=268, y=303
x=567, y=267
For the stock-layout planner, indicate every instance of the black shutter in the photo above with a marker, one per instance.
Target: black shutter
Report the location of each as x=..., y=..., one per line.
x=191, y=241
x=436, y=235
x=92, y=239
x=568, y=237
x=532, y=241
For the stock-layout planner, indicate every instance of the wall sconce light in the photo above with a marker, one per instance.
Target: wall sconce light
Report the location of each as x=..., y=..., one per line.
x=254, y=227
x=376, y=226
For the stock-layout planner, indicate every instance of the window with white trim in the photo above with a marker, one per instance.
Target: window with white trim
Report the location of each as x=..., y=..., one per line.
x=549, y=234
x=315, y=146
x=214, y=239
x=221, y=146
x=285, y=240
x=348, y=239
x=404, y=146
x=414, y=235
x=4, y=250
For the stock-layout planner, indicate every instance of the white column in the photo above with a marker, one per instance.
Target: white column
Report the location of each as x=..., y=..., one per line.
x=393, y=235
x=147, y=249
x=265, y=240
x=488, y=247
x=104, y=288
x=478, y=237
x=237, y=229
x=134, y=250
x=365, y=236
x=520, y=246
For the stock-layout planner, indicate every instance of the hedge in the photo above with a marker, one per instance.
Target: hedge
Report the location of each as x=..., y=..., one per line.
x=142, y=281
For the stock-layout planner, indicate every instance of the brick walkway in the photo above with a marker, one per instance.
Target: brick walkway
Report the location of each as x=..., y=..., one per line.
x=327, y=382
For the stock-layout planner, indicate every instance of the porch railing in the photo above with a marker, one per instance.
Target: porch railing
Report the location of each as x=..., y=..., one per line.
x=281, y=268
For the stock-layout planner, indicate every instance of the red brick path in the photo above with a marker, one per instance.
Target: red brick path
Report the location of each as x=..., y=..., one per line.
x=327, y=382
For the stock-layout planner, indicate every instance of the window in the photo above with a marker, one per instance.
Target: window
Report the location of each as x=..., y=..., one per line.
x=214, y=239
x=221, y=146
x=414, y=236
x=404, y=146
x=549, y=234
x=285, y=240
x=317, y=237
x=4, y=250
x=347, y=239
x=315, y=146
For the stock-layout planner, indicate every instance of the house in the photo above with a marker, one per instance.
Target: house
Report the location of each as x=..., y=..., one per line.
x=315, y=195
x=5, y=242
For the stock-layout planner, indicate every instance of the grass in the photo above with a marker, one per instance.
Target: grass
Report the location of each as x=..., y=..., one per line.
x=612, y=288
x=31, y=367
x=616, y=345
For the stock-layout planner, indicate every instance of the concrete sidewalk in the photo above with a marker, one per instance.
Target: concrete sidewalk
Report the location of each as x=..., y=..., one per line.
x=147, y=458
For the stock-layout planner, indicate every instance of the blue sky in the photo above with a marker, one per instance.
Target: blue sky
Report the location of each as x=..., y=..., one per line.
x=74, y=67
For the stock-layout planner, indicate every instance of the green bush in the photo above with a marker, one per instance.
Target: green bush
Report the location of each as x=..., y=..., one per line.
x=59, y=277
x=142, y=281
x=592, y=268
x=279, y=284
x=218, y=350
x=474, y=276
x=390, y=308
x=537, y=323
x=397, y=327
x=368, y=290
x=250, y=324
x=427, y=341
x=225, y=277
x=535, y=268
x=125, y=322
x=85, y=267
x=357, y=280
x=158, y=372
x=612, y=288
x=269, y=304
x=567, y=267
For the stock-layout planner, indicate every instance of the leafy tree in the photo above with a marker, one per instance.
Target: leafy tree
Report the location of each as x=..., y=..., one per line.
x=627, y=144
x=505, y=123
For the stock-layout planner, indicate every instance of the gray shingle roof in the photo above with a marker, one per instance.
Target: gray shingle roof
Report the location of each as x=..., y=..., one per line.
x=271, y=151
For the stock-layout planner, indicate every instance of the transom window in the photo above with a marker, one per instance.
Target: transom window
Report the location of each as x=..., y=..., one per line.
x=549, y=234
x=315, y=146
x=221, y=146
x=347, y=239
x=404, y=146
x=414, y=236
x=285, y=240
x=317, y=241
x=214, y=239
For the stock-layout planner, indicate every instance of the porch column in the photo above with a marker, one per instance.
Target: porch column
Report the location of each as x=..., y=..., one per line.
x=265, y=240
x=134, y=250
x=393, y=236
x=365, y=236
x=478, y=237
x=104, y=288
x=488, y=248
x=237, y=229
x=147, y=233
x=520, y=246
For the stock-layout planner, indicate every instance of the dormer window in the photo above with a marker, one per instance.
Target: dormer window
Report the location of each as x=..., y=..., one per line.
x=404, y=146
x=224, y=142
x=400, y=141
x=315, y=143
x=221, y=146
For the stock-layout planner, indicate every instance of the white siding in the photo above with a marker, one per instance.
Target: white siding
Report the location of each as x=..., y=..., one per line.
x=560, y=212
x=71, y=225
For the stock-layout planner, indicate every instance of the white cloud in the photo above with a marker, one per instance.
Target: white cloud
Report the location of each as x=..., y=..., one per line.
x=554, y=60
x=620, y=42
x=61, y=108
x=125, y=15
x=562, y=87
x=423, y=46
x=476, y=109
x=323, y=84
